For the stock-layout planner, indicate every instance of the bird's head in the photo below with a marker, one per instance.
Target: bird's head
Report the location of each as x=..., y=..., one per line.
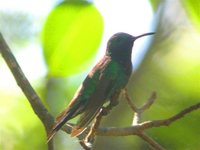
x=120, y=44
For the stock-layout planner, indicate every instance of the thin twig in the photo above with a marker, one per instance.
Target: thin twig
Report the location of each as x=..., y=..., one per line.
x=167, y=122
x=154, y=145
x=137, y=119
x=149, y=102
x=133, y=107
x=139, y=111
x=134, y=130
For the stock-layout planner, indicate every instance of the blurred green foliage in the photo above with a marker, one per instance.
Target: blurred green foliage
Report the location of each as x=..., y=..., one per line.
x=20, y=127
x=171, y=67
x=192, y=9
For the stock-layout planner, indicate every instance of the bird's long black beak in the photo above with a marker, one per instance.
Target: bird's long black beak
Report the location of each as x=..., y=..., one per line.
x=150, y=33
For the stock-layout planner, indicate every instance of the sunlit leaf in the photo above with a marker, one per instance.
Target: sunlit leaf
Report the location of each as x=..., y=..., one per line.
x=192, y=8
x=71, y=36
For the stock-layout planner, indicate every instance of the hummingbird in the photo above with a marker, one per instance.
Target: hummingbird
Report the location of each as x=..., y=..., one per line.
x=103, y=84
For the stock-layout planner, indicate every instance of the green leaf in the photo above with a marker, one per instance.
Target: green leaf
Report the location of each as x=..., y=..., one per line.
x=71, y=36
x=192, y=8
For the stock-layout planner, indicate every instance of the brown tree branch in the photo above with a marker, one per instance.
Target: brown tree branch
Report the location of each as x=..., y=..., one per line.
x=26, y=87
x=133, y=107
x=24, y=84
x=137, y=119
x=167, y=122
x=133, y=130
x=149, y=102
x=153, y=144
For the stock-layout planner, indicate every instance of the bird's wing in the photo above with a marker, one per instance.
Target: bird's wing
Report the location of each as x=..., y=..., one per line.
x=95, y=103
x=81, y=98
x=111, y=80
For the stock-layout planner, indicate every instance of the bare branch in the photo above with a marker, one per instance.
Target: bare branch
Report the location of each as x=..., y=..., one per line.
x=150, y=141
x=24, y=84
x=138, y=111
x=26, y=87
x=149, y=102
x=133, y=107
x=167, y=122
x=134, y=130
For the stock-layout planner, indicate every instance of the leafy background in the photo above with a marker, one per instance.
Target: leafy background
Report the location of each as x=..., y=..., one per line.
x=69, y=38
